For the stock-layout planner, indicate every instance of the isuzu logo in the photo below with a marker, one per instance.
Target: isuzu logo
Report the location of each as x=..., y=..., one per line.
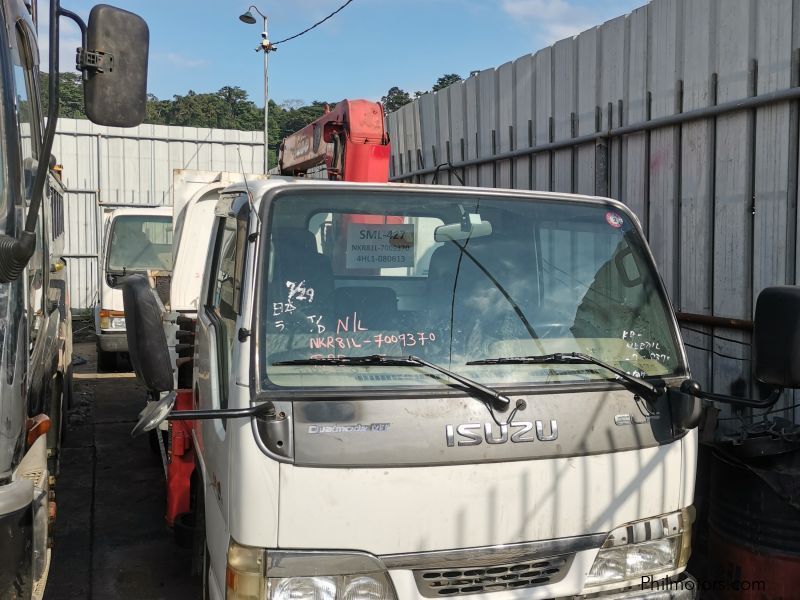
x=516, y=432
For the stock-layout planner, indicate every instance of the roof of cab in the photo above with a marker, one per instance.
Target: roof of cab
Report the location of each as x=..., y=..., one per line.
x=260, y=187
x=118, y=211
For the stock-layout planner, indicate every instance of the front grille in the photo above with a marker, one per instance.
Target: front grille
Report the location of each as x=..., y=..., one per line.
x=438, y=583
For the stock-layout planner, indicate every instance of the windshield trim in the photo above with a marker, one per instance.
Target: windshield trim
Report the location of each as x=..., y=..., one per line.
x=265, y=210
x=10, y=150
x=447, y=390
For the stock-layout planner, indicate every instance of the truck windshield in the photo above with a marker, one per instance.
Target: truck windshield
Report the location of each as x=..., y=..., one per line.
x=140, y=242
x=457, y=279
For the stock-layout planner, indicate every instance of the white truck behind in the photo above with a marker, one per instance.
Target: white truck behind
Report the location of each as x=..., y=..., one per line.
x=135, y=240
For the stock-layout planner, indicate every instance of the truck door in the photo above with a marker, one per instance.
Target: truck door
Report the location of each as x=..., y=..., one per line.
x=44, y=322
x=216, y=340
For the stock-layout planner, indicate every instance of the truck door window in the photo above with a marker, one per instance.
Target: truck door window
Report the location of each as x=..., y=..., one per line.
x=28, y=123
x=25, y=92
x=225, y=292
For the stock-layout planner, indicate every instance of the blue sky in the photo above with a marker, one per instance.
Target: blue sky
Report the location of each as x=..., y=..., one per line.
x=364, y=50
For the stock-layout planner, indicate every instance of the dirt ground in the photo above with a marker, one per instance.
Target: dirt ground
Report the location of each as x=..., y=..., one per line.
x=111, y=540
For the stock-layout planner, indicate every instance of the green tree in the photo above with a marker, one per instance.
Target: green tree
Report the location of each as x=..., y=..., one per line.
x=292, y=103
x=228, y=108
x=394, y=99
x=157, y=111
x=70, y=94
x=446, y=80
x=238, y=111
x=284, y=120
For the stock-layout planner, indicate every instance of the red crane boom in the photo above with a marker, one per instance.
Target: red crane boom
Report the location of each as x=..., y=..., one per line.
x=350, y=140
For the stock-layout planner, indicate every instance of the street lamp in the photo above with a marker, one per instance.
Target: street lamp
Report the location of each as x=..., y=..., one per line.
x=264, y=47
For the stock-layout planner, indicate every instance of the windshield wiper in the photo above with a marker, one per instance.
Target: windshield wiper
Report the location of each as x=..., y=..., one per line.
x=639, y=386
x=500, y=401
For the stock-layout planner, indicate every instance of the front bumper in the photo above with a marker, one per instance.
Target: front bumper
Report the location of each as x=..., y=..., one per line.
x=116, y=341
x=680, y=587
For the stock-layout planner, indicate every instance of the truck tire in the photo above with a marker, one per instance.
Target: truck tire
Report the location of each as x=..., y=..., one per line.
x=198, y=508
x=106, y=361
x=58, y=418
x=184, y=530
x=206, y=572
x=68, y=390
x=201, y=563
x=152, y=437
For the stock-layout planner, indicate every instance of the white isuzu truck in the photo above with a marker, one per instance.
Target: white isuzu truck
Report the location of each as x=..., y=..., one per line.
x=410, y=391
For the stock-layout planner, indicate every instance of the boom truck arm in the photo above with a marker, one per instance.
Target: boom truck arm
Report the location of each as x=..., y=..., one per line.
x=350, y=140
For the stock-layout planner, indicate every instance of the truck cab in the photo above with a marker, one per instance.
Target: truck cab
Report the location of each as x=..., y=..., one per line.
x=195, y=195
x=135, y=240
x=449, y=395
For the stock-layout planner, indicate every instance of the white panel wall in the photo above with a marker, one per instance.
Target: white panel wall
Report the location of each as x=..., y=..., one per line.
x=109, y=165
x=717, y=197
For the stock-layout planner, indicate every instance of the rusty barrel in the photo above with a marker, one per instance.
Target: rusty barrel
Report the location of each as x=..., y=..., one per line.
x=754, y=519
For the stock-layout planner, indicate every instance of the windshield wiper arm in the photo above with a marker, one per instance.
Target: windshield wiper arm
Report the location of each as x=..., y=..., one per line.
x=635, y=384
x=500, y=401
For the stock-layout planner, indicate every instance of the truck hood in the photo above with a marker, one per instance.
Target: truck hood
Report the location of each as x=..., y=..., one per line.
x=408, y=475
x=112, y=299
x=402, y=510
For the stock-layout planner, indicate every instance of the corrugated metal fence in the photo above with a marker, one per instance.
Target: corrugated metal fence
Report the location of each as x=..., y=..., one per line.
x=687, y=111
x=113, y=166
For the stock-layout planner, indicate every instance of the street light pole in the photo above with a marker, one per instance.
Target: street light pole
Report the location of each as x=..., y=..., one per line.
x=265, y=40
x=266, y=48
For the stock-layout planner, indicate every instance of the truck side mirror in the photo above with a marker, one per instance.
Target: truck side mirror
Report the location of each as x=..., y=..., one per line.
x=776, y=337
x=115, y=61
x=147, y=343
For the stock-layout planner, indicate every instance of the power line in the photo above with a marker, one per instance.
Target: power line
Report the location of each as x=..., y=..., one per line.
x=714, y=335
x=714, y=352
x=754, y=416
x=317, y=24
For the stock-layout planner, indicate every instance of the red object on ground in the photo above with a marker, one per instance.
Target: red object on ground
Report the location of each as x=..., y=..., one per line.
x=181, y=461
x=350, y=141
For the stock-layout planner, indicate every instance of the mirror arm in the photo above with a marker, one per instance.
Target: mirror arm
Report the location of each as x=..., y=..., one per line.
x=82, y=26
x=692, y=388
x=52, y=120
x=222, y=413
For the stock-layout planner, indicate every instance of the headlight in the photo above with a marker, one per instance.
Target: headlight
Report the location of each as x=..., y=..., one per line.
x=112, y=319
x=341, y=587
x=642, y=548
x=319, y=575
x=244, y=576
x=258, y=574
